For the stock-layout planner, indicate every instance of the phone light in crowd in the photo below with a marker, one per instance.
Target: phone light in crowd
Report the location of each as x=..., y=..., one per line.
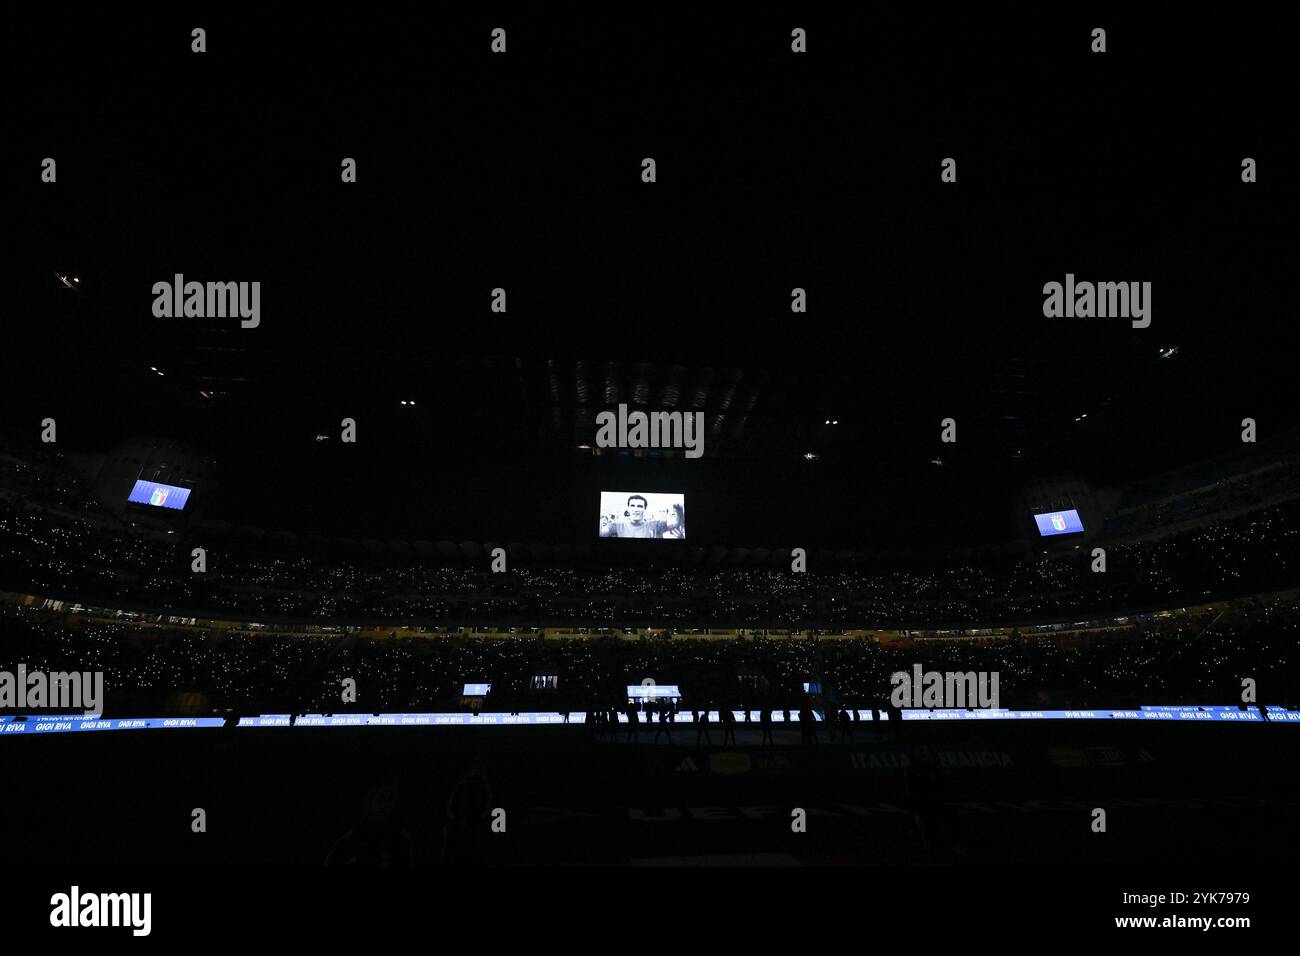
x=809, y=456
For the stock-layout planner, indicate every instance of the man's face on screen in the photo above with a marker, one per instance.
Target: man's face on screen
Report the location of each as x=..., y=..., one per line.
x=636, y=510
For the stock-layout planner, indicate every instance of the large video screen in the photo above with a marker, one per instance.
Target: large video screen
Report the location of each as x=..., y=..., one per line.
x=648, y=691
x=160, y=496
x=1058, y=522
x=642, y=514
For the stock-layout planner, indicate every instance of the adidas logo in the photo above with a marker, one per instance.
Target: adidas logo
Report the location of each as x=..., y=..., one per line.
x=687, y=766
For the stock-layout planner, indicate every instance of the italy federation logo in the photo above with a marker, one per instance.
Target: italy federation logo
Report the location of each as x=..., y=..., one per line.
x=159, y=496
x=1058, y=522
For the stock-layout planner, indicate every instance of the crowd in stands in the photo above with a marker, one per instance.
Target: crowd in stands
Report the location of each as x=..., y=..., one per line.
x=1220, y=497
x=50, y=485
x=72, y=557
x=1189, y=658
x=55, y=542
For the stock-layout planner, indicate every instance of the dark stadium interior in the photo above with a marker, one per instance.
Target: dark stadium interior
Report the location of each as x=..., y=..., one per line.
x=372, y=562
x=918, y=309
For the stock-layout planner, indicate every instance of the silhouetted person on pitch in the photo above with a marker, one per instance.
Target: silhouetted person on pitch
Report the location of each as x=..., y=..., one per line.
x=765, y=721
x=921, y=786
x=702, y=727
x=728, y=719
x=633, y=718
x=807, y=732
x=665, y=722
x=377, y=840
x=894, y=717
x=846, y=726
x=468, y=810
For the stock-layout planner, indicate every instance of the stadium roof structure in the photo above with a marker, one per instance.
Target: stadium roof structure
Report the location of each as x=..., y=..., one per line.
x=923, y=302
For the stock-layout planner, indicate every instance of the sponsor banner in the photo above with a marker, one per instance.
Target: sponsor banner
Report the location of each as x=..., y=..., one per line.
x=733, y=813
x=729, y=763
x=687, y=716
x=1230, y=714
x=1099, y=756
x=1281, y=714
x=886, y=759
x=265, y=720
x=890, y=760
x=434, y=720
x=77, y=723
